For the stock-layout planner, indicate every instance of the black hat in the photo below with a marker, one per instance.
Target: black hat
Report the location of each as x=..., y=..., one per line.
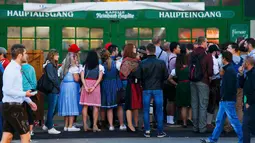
x=213, y=48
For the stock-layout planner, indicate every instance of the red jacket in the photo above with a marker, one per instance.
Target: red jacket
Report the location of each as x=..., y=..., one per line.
x=5, y=62
x=206, y=62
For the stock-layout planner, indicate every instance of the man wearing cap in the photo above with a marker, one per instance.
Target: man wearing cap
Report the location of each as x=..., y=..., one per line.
x=3, y=58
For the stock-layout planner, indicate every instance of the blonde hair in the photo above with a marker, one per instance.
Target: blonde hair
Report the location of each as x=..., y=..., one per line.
x=105, y=56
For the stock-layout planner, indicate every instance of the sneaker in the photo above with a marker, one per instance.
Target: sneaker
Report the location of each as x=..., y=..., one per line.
x=206, y=141
x=77, y=125
x=111, y=128
x=123, y=127
x=31, y=133
x=65, y=129
x=53, y=131
x=73, y=129
x=161, y=135
x=45, y=128
x=147, y=134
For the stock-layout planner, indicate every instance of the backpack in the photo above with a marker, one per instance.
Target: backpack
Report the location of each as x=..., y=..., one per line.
x=195, y=68
x=44, y=84
x=236, y=66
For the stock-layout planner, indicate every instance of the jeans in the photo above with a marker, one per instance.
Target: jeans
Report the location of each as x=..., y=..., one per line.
x=227, y=109
x=1, y=120
x=52, y=104
x=199, y=104
x=248, y=124
x=158, y=100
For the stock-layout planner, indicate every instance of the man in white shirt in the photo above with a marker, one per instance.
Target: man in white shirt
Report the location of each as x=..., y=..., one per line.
x=14, y=96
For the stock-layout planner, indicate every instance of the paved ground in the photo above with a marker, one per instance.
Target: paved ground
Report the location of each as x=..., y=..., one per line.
x=135, y=140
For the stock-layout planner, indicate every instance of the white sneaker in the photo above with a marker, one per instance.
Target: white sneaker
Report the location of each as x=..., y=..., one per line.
x=32, y=133
x=45, y=128
x=111, y=128
x=65, y=129
x=123, y=127
x=53, y=131
x=73, y=129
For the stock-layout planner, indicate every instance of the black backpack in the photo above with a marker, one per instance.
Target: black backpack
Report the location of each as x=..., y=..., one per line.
x=195, y=68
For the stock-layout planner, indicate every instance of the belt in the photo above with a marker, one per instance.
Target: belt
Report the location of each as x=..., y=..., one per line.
x=12, y=103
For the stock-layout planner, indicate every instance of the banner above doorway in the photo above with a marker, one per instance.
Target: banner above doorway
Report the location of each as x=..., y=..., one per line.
x=113, y=6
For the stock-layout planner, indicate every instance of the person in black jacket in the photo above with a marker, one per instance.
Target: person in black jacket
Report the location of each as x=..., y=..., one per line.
x=153, y=73
x=227, y=106
x=50, y=68
x=248, y=90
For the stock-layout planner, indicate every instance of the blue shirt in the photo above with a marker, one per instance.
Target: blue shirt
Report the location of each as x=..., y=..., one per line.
x=163, y=56
x=12, y=84
x=28, y=77
x=1, y=68
x=252, y=54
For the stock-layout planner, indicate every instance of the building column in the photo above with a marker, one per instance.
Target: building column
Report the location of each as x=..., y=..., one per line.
x=252, y=29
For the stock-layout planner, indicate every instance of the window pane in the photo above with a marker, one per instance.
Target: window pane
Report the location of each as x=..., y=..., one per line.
x=212, y=2
x=144, y=42
x=38, y=1
x=66, y=43
x=83, y=44
x=96, y=33
x=15, y=1
x=29, y=44
x=11, y=42
x=14, y=32
x=135, y=42
x=215, y=41
x=28, y=32
x=1, y=1
x=197, y=32
x=190, y=0
x=145, y=33
x=42, y=32
x=82, y=0
x=212, y=33
x=64, y=1
x=95, y=44
x=159, y=32
x=184, y=33
x=82, y=32
x=184, y=41
x=230, y=2
x=68, y=32
x=42, y=44
x=132, y=32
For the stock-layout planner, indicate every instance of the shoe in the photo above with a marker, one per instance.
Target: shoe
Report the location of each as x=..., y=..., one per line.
x=130, y=131
x=123, y=128
x=111, y=128
x=184, y=126
x=31, y=133
x=45, y=128
x=65, y=129
x=161, y=135
x=73, y=129
x=53, y=131
x=147, y=134
x=210, y=126
x=190, y=122
x=205, y=141
x=95, y=129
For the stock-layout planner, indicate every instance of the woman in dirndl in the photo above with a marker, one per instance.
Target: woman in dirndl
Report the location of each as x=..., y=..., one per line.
x=91, y=77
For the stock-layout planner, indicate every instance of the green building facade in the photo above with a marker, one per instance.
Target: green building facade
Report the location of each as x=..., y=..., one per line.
x=222, y=21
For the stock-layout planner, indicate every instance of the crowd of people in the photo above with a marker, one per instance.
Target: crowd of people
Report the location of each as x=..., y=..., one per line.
x=187, y=84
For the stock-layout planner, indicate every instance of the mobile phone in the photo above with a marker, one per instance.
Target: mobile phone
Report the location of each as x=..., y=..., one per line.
x=34, y=92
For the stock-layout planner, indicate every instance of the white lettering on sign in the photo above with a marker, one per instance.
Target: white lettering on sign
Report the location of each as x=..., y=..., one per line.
x=17, y=13
x=114, y=15
x=207, y=14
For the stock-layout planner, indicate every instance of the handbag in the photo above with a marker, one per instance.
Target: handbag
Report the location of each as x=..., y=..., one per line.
x=121, y=92
x=44, y=84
